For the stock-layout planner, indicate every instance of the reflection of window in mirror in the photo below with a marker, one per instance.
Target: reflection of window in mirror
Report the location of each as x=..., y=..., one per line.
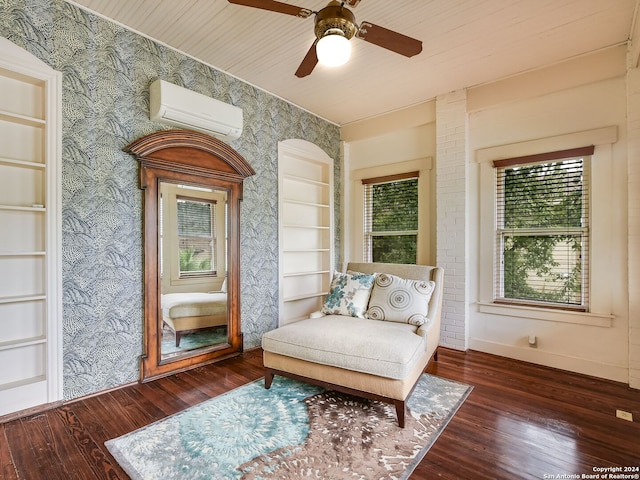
x=192, y=238
x=197, y=237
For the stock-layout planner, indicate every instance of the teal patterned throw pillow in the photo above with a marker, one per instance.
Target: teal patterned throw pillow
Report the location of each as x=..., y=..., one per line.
x=349, y=294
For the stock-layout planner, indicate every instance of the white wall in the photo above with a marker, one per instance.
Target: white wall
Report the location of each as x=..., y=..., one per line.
x=591, y=345
x=397, y=146
x=407, y=144
x=633, y=112
x=587, y=94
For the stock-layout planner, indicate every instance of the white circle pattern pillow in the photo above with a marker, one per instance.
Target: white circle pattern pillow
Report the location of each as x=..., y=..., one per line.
x=396, y=299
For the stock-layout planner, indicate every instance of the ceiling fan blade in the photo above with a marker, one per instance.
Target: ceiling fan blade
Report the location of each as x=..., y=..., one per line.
x=309, y=62
x=274, y=6
x=385, y=38
x=352, y=3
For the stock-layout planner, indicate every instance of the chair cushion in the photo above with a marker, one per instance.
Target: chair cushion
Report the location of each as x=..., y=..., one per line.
x=193, y=304
x=349, y=294
x=386, y=349
x=398, y=299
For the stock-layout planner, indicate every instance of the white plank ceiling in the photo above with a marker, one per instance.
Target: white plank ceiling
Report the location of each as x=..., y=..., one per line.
x=465, y=43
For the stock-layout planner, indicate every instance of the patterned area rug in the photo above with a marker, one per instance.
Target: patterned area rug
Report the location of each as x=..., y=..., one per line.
x=294, y=430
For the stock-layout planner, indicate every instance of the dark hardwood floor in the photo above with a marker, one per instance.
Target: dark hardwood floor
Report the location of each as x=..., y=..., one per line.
x=520, y=421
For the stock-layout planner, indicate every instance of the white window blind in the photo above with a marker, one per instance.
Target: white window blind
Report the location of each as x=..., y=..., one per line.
x=391, y=218
x=542, y=234
x=196, y=236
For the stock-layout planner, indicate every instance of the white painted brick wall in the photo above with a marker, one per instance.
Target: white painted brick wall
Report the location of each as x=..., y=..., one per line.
x=451, y=174
x=633, y=159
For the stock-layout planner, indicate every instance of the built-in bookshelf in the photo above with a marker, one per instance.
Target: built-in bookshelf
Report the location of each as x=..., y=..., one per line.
x=29, y=300
x=305, y=228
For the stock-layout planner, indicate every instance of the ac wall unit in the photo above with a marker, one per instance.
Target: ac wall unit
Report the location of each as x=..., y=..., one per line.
x=181, y=107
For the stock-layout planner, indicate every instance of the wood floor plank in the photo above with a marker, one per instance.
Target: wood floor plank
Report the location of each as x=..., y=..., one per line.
x=8, y=469
x=68, y=449
x=98, y=461
x=154, y=392
x=22, y=453
x=212, y=383
x=179, y=387
x=551, y=422
x=136, y=413
x=149, y=411
x=553, y=417
x=44, y=446
x=104, y=417
x=521, y=421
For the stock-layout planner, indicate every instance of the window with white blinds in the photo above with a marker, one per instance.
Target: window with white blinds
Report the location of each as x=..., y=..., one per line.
x=391, y=218
x=196, y=236
x=542, y=234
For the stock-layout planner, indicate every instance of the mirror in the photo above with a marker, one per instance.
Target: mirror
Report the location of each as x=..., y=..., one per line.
x=193, y=188
x=193, y=268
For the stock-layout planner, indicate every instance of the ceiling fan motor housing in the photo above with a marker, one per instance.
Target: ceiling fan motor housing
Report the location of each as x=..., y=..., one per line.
x=334, y=18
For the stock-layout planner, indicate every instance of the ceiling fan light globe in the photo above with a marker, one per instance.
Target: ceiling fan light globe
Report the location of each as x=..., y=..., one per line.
x=333, y=50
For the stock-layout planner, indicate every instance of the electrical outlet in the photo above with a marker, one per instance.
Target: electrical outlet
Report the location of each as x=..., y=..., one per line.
x=624, y=415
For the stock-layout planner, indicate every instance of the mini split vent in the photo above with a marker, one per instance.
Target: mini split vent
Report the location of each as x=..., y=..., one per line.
x=180, y=107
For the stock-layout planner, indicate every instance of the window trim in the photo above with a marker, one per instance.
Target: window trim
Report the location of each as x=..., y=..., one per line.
x=600, y=170
x=367, y=231
x=391, y=178
x=545, y=157
x=582, y=153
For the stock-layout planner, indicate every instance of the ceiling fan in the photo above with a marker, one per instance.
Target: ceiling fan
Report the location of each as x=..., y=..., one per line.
x=336, y=23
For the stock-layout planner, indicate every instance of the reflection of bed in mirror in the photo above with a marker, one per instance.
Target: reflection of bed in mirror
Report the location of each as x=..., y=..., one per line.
x=190, y=312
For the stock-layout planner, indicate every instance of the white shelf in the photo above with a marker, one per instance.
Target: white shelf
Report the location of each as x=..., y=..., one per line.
x=304, y=274
x=22, y=343
x=306, y=204
x=22, y=383
x=309, y=181
x=314, y=227
x=22, y=119
x=22, y=163
x=304, y=296
x=307, y=250
x=22, y=254
x=22, y=298
x=19, y=208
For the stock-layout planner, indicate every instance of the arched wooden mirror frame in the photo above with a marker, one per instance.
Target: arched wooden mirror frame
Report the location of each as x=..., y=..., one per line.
x=191, y=158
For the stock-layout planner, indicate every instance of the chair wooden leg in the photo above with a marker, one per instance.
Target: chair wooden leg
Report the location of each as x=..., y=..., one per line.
x=268, y=378
x=400, y=412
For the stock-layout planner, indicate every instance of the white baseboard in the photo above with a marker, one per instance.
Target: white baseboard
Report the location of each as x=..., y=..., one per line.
x=551, y=359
